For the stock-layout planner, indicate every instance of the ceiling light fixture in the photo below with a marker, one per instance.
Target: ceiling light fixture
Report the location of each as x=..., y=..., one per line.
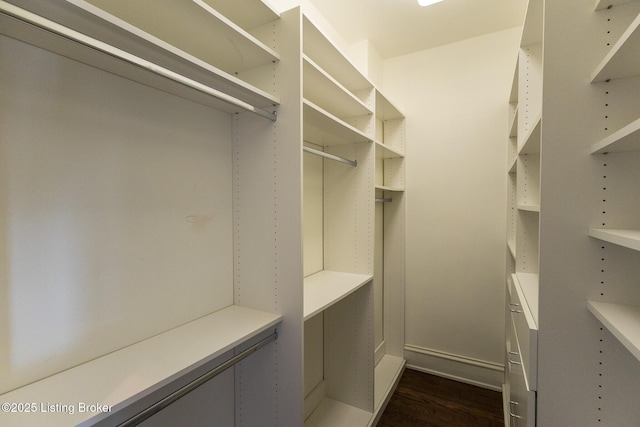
x=428, y=2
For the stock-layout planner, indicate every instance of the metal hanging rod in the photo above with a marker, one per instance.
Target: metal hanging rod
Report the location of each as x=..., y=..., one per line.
x=44, y=24
x=383, y=200
x=181, y=392
x=330, y=156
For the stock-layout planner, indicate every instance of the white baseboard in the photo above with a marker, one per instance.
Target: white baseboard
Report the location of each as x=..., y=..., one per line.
x=460, y=368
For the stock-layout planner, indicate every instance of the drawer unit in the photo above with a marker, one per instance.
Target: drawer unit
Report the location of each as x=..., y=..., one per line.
x=526, y=332
x=522, y=400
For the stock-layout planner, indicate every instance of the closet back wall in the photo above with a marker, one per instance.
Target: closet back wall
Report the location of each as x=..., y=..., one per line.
x=454, y=98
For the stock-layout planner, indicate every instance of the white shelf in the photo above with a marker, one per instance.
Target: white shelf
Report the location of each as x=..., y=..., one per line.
x=385, y=188
x=532, y=30
x=531, y=143
x=325, y=288
x=529, y=208
x=248, y=14
x=605, y=4
x=97, y=26
x=191, y=26
x=318, y=47
x=385, y=110
x=384, y=152
x=625, y=139
x=513, y=95
x=323, y=128
x=511, y=245
x=622, y=60
x=528, y=283
x=387, y=375
x=332, y=413
x=627, y=238
x=127, y=375
x=322, y=89
x=623, y=321
x=513, y=127
x=513, y=168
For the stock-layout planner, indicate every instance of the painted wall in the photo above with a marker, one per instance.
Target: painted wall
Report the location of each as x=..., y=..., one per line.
x=455, y=100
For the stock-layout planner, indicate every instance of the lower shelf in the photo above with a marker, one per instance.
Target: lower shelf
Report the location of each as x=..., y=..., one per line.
x=325, y=288
x=623, y=321
x=387, y=376
x=332, y=413
x=125, y=376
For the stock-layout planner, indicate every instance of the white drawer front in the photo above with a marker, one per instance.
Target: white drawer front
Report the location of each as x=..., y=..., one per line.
x=526, y=333
x=522, y=401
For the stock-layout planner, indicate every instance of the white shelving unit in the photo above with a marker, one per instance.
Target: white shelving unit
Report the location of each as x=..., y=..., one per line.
x=108, y=379
x=577, y=255
x=345, y=116
x=187, y=263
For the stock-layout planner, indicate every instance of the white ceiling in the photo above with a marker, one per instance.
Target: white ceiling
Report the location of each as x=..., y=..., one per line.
x=398, y=27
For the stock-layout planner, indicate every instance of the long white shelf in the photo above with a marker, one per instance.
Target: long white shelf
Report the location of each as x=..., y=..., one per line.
x=322, y=89
x=622, y=60
x=323, y=128
x=625, y=139
x=532, y=30
x=129, y=374
x=333, y=413
x=627, y=238
x=623, y=321
x=319, y=48
x=120, y=41
x=325, y=288
x=385, y=110
x=192, y=26
x=387, y=188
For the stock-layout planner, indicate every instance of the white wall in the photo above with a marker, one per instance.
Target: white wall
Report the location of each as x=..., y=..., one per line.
x=455, y=100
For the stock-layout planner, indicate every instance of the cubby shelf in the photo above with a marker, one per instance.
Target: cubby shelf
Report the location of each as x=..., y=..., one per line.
x=323, y=128
x=125, y=376
x=322, y=89
x=627, y=238
x=320, y=49
x=325, y=288
x=529, y=208
x=625, y=139
x=385, y=152
x=622, y=59
x=623, y=321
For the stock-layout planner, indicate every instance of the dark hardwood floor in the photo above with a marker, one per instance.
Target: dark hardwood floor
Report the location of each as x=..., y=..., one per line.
x=426, y=400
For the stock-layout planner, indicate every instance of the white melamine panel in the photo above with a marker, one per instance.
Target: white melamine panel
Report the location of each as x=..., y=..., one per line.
x=313, y=353
x=126, y=376
x=527, y=241
x=529, y=97
x=528, y=180
x=116, y=214
x=378, y=274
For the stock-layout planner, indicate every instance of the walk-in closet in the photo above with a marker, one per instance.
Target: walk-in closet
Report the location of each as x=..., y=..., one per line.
x=262, y=213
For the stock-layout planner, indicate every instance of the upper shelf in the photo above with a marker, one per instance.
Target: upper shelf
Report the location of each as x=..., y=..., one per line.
x=128, y=375
x=625, y=139
x=322, y=89
x=322, y=128
x=527, y=288
x=325, y=53
x=92, y=36
x=325, y=288
x=623, y=321
x=385, y=152
x=385, y=110
x=192, y=26
x=622, y=60
x=605, y=4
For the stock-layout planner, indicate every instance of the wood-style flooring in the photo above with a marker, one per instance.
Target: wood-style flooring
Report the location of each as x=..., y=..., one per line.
x=426, y=400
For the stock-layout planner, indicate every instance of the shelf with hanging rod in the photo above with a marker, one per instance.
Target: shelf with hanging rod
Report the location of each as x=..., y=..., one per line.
x=330, y=156
x=217, y=89
x=121, y=380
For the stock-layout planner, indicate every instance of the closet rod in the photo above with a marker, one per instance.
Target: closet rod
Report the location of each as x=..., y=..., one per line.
x=181, y=392
x=44, y=24
x=384, y=200
x=330, y=156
